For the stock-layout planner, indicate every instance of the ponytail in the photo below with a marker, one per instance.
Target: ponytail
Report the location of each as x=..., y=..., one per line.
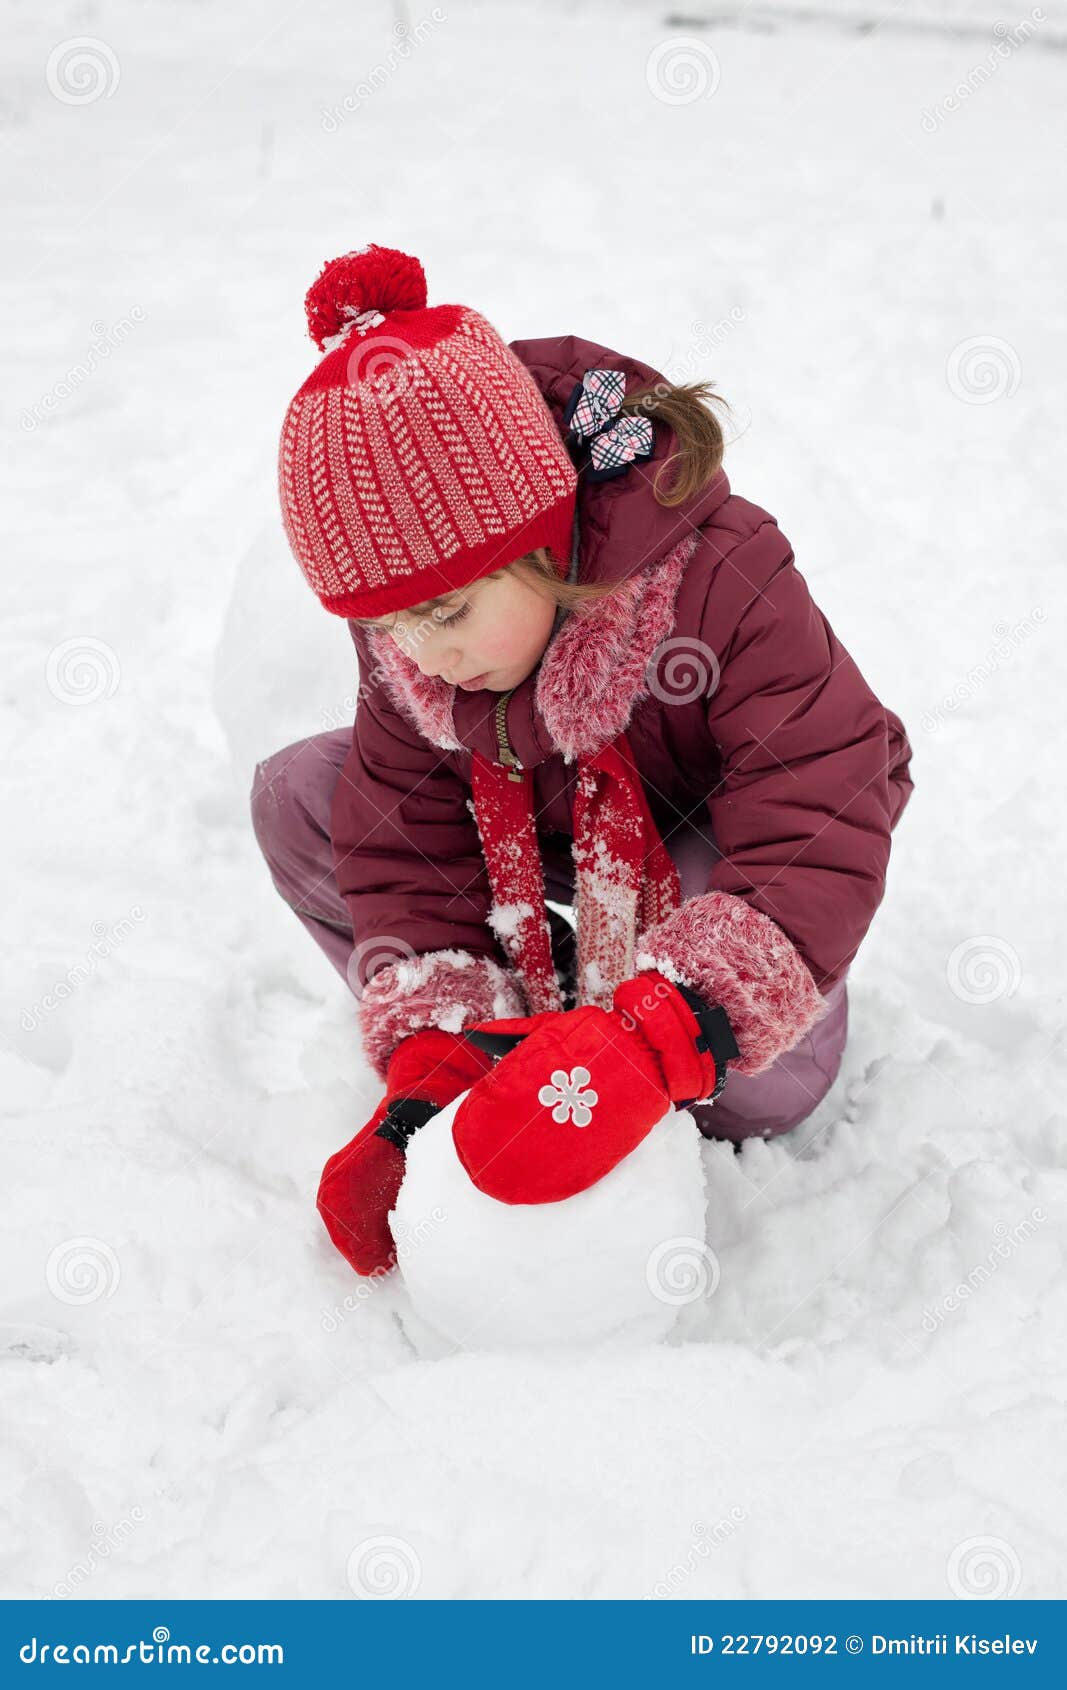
x=699, y=442
x=697, y=432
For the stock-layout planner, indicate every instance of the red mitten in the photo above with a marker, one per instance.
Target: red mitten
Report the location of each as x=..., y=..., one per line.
x=359, y=1184
x=578, y=1089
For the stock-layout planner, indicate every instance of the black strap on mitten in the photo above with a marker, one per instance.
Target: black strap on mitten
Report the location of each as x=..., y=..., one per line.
x=403, y=1118
x=497, y=1044
x=716, y=1036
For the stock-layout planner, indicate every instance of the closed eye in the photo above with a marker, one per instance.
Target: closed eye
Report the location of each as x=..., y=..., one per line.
x=401, y=634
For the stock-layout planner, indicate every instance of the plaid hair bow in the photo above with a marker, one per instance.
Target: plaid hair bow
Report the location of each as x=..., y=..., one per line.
x=592, y=415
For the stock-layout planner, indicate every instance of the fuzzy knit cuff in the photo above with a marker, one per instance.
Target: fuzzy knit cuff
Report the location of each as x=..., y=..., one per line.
x=449, y=989
x=734, y=955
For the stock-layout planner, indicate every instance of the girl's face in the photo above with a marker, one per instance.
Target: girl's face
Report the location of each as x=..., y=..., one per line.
x=490, y=635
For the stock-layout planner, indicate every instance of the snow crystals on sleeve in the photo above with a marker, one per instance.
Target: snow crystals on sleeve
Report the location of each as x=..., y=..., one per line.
x=506, y=919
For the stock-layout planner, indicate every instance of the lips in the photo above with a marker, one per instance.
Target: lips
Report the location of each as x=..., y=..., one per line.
x=474, y=682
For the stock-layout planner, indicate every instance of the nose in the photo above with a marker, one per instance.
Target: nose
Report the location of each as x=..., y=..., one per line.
x=445, y=666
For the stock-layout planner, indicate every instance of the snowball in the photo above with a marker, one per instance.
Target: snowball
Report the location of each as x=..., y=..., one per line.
x=613, y=1262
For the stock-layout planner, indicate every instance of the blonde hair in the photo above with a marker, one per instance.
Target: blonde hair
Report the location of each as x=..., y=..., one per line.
x=684, y=409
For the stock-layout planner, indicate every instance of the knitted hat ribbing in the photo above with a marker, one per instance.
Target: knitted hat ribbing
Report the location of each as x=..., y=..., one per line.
x=419, y=455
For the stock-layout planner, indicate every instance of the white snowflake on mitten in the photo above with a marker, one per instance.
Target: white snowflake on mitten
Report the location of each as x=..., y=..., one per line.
x=568, y=1096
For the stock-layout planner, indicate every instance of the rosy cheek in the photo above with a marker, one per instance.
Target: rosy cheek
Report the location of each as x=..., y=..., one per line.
x=497, y=647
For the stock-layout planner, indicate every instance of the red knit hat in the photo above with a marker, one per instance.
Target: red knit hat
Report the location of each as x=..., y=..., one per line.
x=419, y=455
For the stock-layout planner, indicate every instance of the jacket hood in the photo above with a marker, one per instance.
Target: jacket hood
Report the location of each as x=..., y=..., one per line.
x=620, y=527
x=592, y=673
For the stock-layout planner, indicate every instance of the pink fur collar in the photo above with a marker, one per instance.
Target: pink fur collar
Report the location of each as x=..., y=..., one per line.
x=594, y=672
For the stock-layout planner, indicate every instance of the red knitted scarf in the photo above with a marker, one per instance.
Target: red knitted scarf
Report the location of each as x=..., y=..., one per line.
x=624, y=878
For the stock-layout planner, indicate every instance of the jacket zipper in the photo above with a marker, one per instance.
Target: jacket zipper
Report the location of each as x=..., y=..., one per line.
x=507, y=755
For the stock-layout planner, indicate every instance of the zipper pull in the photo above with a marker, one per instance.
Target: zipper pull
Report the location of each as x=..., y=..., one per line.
x=507, y=755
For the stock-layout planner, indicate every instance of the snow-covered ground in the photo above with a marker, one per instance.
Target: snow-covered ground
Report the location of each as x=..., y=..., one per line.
x=859, y=234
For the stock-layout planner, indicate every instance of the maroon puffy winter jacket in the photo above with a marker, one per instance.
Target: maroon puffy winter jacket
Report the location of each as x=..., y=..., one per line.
x=800, y=770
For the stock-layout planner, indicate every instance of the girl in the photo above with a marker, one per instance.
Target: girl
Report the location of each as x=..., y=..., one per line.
x=591, y=675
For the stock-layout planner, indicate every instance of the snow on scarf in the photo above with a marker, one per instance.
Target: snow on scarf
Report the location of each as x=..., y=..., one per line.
x=624, y=878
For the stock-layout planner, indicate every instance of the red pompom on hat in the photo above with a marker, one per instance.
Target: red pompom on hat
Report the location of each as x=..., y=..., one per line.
x=419, y=454
x=373, y=278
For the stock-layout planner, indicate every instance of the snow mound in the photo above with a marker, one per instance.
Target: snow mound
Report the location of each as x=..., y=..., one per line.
x=613, y=1263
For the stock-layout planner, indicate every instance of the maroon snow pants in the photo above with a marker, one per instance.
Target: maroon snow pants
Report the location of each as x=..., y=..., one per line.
x=291, y=799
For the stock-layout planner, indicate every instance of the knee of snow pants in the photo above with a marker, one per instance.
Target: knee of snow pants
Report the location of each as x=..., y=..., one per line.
x=291, y=798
